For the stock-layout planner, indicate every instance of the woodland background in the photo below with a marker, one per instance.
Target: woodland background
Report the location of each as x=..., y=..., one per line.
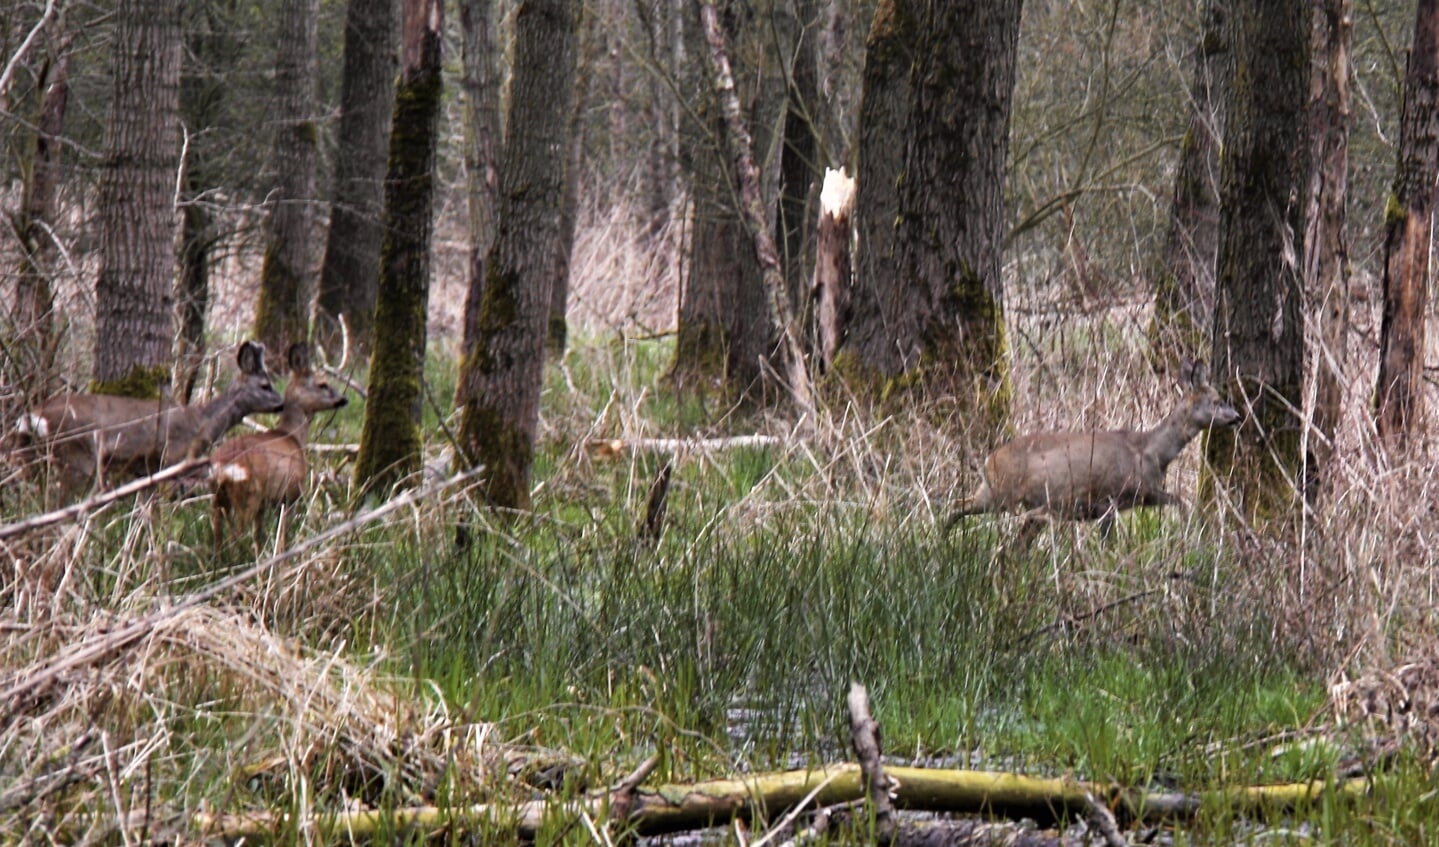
x=545, y=613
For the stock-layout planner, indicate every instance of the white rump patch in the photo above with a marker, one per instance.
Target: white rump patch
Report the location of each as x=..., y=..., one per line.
x=229, y=473
x=33, y=424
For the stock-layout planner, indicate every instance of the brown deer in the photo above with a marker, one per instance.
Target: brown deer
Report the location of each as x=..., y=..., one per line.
x=90, y=436
x=252, y=472
x=1095, y=475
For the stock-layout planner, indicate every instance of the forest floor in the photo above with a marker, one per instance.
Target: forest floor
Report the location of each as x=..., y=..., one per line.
x=382, y=665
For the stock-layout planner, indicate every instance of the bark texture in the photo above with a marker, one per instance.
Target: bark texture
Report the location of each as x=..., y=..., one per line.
x=207, y=107
x=780, y=313
x=884, y=117
x=1258, y=322
x=390, y=438
x=935, y=311
x=135, y=292
x=725, y=333
x=1408, y=225
x=501, y=374
x=350, y=275
x=484, y=134
x=1326, y=265
x=832, y=290
x=282, y=315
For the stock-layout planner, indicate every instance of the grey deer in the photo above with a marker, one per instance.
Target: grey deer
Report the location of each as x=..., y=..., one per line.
x=1095, y=475
x=250, y=473
x=90, y=436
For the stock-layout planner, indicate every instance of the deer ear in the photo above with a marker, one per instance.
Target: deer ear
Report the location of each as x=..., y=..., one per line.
x=299, y=358
x=1200, y=376
x=251, y=357
x=1186, y=371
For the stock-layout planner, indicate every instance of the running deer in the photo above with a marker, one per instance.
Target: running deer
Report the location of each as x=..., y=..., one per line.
x=1095, y=475
x=250, y=473
x=88, y=436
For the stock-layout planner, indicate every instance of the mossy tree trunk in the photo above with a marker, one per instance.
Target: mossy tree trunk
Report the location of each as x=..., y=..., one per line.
x=1326, y=266
x=935, y=313
x=282, y=315
x=350, y=275
x=135, y=291
x=501, y=373
x=1184, y=280
x=390, y=437
x=1408, y=225
x=1258, y=338
x=33, y=319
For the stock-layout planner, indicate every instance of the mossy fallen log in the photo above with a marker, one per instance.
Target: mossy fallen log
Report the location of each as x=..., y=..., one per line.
x=683, y=807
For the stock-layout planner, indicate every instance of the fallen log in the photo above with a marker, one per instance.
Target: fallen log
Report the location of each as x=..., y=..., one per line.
x=609, y=448
x=684, y=807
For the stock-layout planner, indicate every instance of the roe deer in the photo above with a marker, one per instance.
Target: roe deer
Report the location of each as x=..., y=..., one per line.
x=250, y=472
x=88, y=435
x=1095, y=475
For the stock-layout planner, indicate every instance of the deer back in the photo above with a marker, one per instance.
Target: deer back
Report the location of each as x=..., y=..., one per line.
x=86, y=431
x=1084, y=475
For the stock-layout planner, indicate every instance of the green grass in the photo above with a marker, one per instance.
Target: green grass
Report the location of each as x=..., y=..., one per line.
x=1144, y=659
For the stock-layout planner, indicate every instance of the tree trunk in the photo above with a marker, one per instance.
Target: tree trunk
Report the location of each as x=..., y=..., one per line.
x=1408, y=222
x=832, y=290
x=1258, y=327
x=484, y=136
x=390, y=437
x=33, y=318
x=135, y=292
x=799, y=171
x=1184, y=282
x=212, y=49
x=197, y=236
x=1326, y=265
x=350, y=275
x=282, y=315
x=936, y=309
x=557, y=325
x=884, y=120
x=781, y=316
x=725, y=329
x=680, y=807
x=501, y=374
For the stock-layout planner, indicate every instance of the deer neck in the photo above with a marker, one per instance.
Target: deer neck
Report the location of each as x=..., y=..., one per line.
x=1168, y=440
x=217, y=417
x=294, y=423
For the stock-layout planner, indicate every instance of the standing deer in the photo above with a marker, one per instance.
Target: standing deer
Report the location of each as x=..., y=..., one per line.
x=252, y=472
x=88, y=436
x=1095, y=475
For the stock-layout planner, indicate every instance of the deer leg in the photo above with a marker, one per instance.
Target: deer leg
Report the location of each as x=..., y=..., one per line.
x=1033, y=521
x=1028, y=531
x=217, y=524
x=281, y=520
x=258, y=529
x=1106, y=523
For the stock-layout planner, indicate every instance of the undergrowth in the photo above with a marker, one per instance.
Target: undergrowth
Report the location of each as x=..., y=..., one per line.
x=402, y=662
